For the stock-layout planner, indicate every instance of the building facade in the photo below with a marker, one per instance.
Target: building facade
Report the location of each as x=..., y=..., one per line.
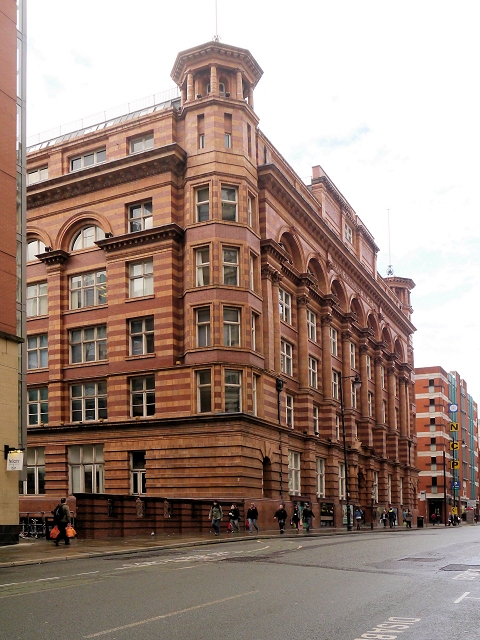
x=12, y=212
x=447, y=431
x=194, y=308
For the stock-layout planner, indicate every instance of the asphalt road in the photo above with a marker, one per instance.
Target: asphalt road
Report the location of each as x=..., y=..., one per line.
x=419, y=584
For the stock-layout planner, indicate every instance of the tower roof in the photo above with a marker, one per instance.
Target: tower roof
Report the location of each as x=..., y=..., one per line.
x=215, y=52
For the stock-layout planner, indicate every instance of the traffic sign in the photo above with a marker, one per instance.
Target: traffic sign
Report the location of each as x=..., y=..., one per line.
x=454, y=511
x=453, y=408
x=453, y=426
x=454, y=464
x=456, y=485
x=454, y=446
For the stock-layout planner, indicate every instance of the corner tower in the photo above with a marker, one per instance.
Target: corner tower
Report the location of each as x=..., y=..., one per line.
x=216, y=83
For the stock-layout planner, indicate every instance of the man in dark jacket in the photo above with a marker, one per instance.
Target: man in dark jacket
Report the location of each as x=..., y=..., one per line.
x=307, y=517
x=252, y=516
x=281, y=516
x=61, y=517
x=392, y=516
x=234, y=515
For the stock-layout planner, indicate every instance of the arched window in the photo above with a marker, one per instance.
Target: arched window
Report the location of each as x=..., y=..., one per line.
x=34, y=247
x=86, y=237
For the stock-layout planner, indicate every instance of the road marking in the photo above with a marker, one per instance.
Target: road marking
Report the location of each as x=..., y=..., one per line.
x=398, y=625
x=469, y=574
x=73, y=575
x=461, y=597
x=261, y=549
x=169, y=615
x=465, y=596
x=47, y=579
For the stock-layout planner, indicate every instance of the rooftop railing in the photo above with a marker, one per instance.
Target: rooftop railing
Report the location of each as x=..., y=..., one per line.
x=103, y=119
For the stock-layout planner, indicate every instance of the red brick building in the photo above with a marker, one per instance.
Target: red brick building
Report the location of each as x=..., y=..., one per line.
x=447, y=431
x=178, y=270
x=12, y=214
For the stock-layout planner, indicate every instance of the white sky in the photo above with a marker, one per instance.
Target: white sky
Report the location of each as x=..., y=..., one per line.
x=383, y=95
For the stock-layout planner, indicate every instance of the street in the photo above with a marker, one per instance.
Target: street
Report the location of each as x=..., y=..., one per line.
x=419, y=584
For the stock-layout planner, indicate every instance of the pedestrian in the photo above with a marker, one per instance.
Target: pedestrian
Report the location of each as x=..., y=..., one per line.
x=295, y=518
x=307, y=517
x=358, y=517
x=216, y=515
x=433, y=518
x=408, y=519
x=391, y=517
x=252, y=517
x=383, y=517
x=61, y=517
x=281, y=516
x=234, y=516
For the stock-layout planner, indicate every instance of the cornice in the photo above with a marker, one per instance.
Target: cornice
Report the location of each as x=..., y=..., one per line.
x=271, y=248
x=170, y=231
x=57, y=257
x=127, y=169
x=191, y=59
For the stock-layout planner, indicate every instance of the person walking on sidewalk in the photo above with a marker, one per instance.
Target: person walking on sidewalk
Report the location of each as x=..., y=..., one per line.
x=216, y=515
x=234, y=515
x=281, y=517
x=408, y=519
x=391, y=517
x=252, y=516
x=358, y=517
x=307, y=517
x=295, y=518
x=383, y=517
x=61, y=517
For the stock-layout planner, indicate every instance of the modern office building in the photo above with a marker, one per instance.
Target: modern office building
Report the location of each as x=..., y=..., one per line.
x=197, y=314
x=447, y=431
x=12, y=214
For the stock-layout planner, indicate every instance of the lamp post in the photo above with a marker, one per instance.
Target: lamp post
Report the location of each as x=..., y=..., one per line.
x=356, y=384
x=279, y=387
x=374, y=492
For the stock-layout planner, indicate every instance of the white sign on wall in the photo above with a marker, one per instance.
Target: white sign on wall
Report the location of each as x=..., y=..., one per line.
x=15, y=461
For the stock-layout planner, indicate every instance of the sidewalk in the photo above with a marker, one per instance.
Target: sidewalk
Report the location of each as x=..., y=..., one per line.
x=39, y=551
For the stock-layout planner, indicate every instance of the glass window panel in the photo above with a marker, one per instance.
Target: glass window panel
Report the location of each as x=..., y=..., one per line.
x=137, y=384
x=33, y=414
x=88, y=479
x=43, y=358
x=30, y=480
x=89, y=350
x=74, y=454
x=41, y=480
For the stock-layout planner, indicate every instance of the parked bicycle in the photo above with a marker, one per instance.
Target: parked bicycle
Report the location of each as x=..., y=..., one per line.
x=32, y=527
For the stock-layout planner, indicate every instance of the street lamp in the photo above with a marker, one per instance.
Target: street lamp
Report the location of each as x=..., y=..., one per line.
x=374, y=493
x=356, y=384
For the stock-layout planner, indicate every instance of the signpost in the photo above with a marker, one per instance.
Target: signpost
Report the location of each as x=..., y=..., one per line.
x=454, y=448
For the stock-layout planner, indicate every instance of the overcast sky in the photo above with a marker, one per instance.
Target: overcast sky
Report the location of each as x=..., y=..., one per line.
x=382, y=94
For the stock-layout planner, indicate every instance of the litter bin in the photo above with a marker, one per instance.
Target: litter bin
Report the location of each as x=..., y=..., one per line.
x=48, y=527
x=419, y=522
